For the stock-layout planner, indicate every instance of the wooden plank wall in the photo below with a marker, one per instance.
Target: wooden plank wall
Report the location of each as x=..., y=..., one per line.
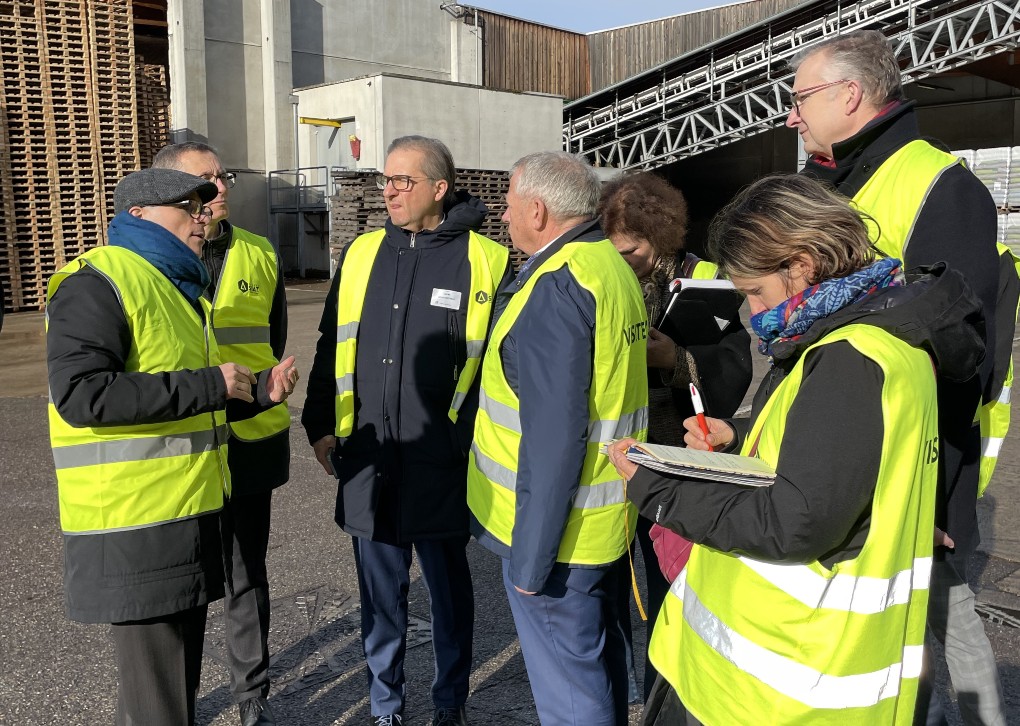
x=522, y=56
x=616, y=55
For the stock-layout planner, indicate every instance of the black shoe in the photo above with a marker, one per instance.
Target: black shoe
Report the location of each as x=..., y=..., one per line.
x=256, y=712
x=450, y=716
x=391, y=719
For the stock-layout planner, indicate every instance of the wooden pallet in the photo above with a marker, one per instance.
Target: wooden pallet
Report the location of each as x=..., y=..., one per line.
x=68, y=133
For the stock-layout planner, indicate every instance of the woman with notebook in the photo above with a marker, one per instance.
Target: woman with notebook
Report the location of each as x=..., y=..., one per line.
x=804, y=602
x=646, y=220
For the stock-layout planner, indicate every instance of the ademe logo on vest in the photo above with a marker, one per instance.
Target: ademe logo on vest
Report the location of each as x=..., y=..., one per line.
x=481, y=297
x=248, y=288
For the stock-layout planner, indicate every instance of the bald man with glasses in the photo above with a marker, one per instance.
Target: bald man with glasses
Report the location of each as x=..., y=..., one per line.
x=861, y=135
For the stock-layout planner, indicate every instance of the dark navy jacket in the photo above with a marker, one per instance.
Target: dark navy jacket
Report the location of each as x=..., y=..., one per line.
x=547, y=358
x=403, y=470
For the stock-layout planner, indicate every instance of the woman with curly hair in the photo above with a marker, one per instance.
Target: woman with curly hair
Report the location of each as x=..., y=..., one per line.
x=646, y=220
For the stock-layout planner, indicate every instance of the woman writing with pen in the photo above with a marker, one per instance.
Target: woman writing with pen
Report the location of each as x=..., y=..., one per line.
x=804, y=602
x=646, y=220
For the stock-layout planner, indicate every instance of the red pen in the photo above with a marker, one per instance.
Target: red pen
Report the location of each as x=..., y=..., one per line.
x=699, y=411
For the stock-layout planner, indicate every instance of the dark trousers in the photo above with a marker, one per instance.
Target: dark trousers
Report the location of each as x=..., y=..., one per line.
x=159, y=664
x=575, y=657
x=384, y=580
x=246, y=610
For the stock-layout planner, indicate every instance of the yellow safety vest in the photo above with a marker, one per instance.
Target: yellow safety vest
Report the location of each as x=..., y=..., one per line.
x=746, y=641
x=601, y=522
x=993, y=415
x=893, y=197
x=112, y=478
x=488, y=261
x=240, y=319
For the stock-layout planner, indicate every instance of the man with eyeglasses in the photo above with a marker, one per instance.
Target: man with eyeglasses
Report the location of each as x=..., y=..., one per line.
x=139, y=397
x=924, y=207
x=392, y=397
x=250, y=322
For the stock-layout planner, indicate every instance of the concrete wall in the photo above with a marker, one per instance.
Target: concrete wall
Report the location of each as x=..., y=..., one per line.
x=484, y=129
x=334, y=40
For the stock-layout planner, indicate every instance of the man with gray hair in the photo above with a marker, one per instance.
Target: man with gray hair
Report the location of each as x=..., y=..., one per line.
x=862, y=136
x=564, y=372
x=391, y=403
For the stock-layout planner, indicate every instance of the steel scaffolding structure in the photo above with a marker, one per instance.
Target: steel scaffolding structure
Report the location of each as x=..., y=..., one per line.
x=740, y=85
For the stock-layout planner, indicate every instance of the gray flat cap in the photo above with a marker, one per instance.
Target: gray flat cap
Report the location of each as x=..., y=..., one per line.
x=160, y=186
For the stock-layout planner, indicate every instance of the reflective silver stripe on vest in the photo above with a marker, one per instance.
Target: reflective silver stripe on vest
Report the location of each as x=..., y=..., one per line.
x=127, y=450
x=458, y=400
x=499, y=413
x=494, y=471
x=587, y=497
x=1005, y=395
x=475, y=348
x=790, y=678
x=864, y=595
x=345, y=384
x=141, y=526
x=240, y=336
x=990, y=446
x=600, y=495
x=608, y=430
x=347, y=332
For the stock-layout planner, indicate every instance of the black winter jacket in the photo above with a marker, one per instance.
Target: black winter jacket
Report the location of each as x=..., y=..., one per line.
x=820, y=505
x=956, y=225
x=403, y=470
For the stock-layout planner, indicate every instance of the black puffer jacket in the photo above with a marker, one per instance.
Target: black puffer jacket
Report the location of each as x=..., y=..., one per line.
x=403, y=470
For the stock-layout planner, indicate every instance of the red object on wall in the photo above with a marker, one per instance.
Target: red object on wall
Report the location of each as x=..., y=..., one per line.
x=355, y=147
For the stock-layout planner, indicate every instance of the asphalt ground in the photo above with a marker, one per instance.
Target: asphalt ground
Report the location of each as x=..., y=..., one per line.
x=54, y=671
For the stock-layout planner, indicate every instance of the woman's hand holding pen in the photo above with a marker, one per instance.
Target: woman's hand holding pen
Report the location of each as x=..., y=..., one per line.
x=719, y=435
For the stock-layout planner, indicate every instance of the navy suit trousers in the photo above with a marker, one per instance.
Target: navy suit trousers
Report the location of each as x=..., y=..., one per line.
x=384, y=580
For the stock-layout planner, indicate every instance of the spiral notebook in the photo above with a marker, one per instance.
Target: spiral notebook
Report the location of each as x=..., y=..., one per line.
x=695, y=464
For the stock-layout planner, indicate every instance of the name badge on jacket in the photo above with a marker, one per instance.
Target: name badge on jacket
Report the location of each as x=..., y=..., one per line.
x=449, y=299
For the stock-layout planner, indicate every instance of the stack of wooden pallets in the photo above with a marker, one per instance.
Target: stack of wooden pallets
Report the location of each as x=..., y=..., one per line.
x=67, y=131
x=357, y=205
x=153, y=98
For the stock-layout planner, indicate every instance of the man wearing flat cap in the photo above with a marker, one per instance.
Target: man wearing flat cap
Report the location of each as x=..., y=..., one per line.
x=138, y=399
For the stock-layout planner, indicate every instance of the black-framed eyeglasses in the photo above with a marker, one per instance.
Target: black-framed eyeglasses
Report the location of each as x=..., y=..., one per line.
x=797, y=98
x=193, y=206
x=228, y=178
x=400, y=182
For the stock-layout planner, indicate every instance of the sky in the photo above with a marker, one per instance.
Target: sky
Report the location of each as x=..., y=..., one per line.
x=585, y=16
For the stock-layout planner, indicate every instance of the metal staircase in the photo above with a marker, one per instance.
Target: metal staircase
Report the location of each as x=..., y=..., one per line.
x=740, y=85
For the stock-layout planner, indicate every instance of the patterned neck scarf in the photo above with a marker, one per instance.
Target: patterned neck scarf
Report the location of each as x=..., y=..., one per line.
x=791, y=319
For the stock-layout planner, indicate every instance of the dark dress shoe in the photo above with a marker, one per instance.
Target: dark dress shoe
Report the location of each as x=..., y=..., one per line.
x=450, y=716
x=256, y=712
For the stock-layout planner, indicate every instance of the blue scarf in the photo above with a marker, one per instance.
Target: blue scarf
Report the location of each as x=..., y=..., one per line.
x=792, y=318
x=161, y=249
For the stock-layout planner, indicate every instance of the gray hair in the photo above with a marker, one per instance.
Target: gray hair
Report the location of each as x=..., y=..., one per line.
x=864, y=56
x=566, y=183
x=437, y=161
x=169, y=157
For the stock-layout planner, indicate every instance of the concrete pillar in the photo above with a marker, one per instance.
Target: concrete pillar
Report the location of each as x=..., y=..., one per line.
x=277, y=83
x=189, y=118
